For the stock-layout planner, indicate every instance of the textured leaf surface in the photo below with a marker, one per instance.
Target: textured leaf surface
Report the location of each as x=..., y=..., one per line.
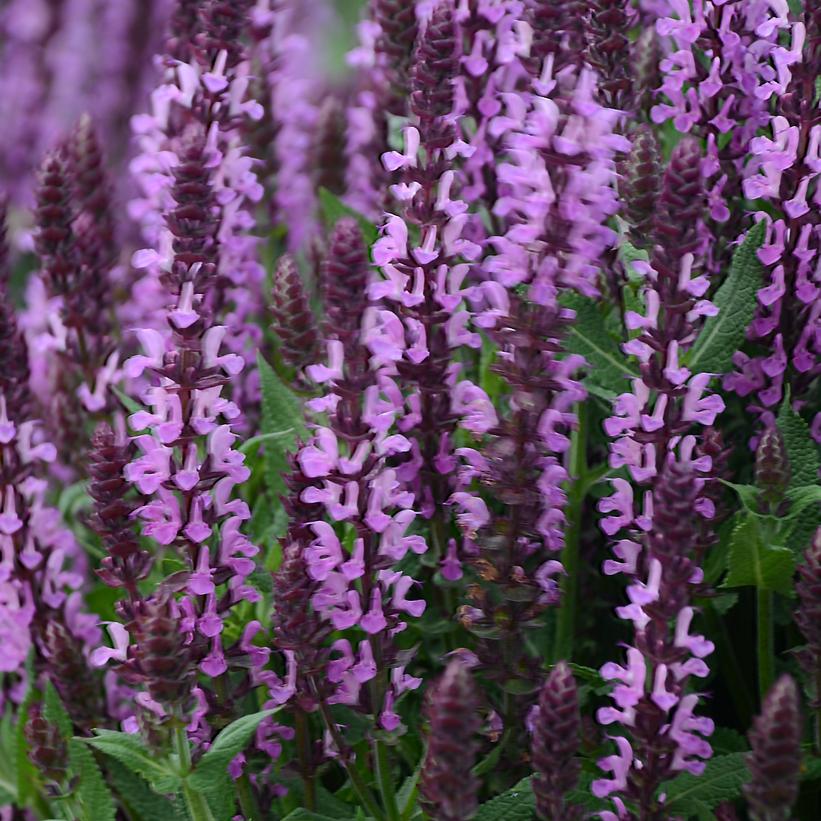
x=95, y=798
x=54, y=712
x=8, y=760
x=723, y=334
x=282, y=415
x=757, y=565
x=517, y=804
x=130, y=750
x=211, y=774
x=609, y=368
x=142, y=801
x=721, y=781
x=805, y=460
x=301, y=814
x=802, y=451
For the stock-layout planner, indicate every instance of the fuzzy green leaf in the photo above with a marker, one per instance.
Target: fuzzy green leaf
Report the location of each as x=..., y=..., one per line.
x=723, y=334
x=27, y=777
x=721, y=781
x=748, y=495
x=281, y=415
x=212, y=769
x=333, y=210
x=96, y=800
x=301, y=814
x=130, y=750
x=8, y=760
x=54, y=712
x=609, y=368
x=805, y=460
x=755, y=564
x=802, y=451
x=142, y=802
x=517, y=804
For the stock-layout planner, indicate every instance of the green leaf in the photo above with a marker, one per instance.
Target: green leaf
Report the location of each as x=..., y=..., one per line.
x=281, y=415
x=755, y=564
x=55, y=713
x=802, y=450
x=232, y=740
x=333, y=210
x=130, y=750
x=142, y=802
x=805, y=460
x=609, y=368
x=27, y=777
x=8, y=760
x=747, y=494
x=802, y=497
x=517, y=804
x=722, y=780
x=723, y=334
x=301, y=814
x=96, y=800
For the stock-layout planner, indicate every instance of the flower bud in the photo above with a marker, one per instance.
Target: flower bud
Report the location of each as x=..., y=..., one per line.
x=398, y=30
x=345, y=281
x=775, y=760
x=447, y=785
x=772, y=466
x=808, y=614
x=71, y=676
x=554, y=744
x=608, y=50
x=435, y=65
x=294, y=322
x=639, y=184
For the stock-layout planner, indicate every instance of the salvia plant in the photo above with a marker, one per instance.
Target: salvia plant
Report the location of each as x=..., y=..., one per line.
x=410, y=409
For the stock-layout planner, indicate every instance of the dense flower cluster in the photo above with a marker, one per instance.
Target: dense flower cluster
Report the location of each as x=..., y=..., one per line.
x=783, y=171
x=42, y=568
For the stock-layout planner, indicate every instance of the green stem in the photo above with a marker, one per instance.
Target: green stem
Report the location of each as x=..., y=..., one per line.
x=766, y=644
x=197, y=805
x=303, y=746
x=247, y=799
x=360, y=787
x=386, y=786
x=727, y=660
x=566, y=617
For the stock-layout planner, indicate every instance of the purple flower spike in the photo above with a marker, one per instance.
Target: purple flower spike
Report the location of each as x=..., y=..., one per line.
x=646, y=55
x=556, y=726
x=608, y=50
x=808, y=615
x=159, y=657
x=783, y=171
x=398, y=28
x=41, y=565
x=421, y=322
x=775, y=760
x=639, y=185
x=448, y=789
x=69, y=671
x=650, y=697
x=294, y=321
x=126, y=563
